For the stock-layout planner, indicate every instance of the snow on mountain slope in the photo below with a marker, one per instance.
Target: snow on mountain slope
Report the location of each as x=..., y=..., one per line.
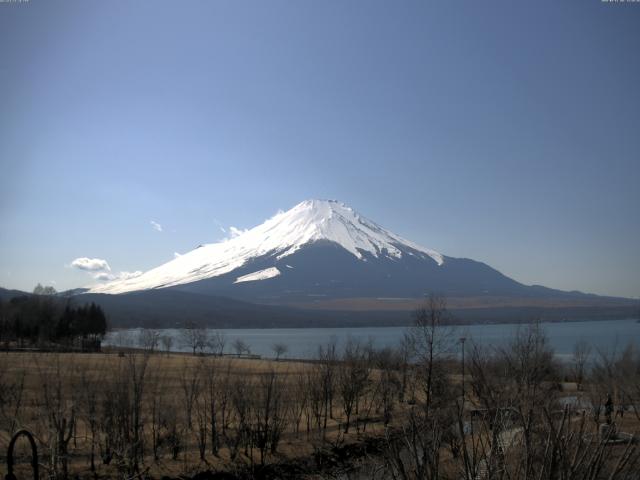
x=281, y=235
x=259, y=275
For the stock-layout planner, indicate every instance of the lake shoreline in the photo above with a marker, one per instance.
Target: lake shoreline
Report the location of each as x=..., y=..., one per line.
x=303, y=343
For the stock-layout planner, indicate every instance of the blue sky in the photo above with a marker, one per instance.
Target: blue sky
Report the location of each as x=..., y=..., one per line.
x=496, y=130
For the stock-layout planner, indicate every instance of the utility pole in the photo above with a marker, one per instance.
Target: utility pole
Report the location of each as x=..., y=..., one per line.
x=462, y=340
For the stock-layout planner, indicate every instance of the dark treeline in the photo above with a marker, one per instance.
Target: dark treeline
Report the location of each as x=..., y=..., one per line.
x=38, y=320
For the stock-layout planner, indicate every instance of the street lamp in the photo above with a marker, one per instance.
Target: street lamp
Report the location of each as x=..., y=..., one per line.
x=462, y=340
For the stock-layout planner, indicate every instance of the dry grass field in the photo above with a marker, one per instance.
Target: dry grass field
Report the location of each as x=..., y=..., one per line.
x=133, y=414
x=174, y=395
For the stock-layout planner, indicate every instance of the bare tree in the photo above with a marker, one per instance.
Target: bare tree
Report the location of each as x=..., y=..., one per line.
x=167, y=343
x=327, y=363
x=11, y=397
x=122, y=413
x=59, y=412
x=581, y=354
x=136, y=374
x=416, y=451
x=316, y=397
x=627, y=371
x=300, y=399
x=194, y=337
x=603, y=380
x=190, y=387
x=522, y=433
x=432, y=341
x=213, y=397
x=88, y=401
x=224, y=394
x=390, y=365
x=616, y=373
x=216, y=342
x=406, y=350
x=240, y=347
x=174, y=437
x=241, y=402
x=202, y=408
x=148, y=339
x=353, y=374
x=157, y=408
x=124, y=338
x=269, y=414
x=279, y=349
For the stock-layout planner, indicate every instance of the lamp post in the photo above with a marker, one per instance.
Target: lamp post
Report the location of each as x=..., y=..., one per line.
x=462, y=340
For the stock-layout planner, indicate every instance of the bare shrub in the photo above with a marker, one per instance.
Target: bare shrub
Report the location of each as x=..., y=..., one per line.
x=352, y=378
x=11, y=398
x=58, y=405
x=190, y=388
x=194, y=337
x=148, y=339
x=279, y=349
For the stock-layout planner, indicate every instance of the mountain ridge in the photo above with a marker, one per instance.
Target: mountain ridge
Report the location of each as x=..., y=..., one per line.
x=321, y=263
x=282, y=235
x=323, y=250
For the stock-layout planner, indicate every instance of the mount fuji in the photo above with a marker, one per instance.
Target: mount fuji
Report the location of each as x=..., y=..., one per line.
x=275, y=248
x=322, y=250
x=323, y=264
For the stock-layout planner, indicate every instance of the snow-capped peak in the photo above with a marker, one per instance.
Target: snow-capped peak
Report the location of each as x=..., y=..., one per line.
x=314, y=220
x=282, y=235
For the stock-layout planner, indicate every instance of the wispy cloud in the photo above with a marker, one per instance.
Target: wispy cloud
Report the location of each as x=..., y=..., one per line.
x=235, y=232
x=222, y=229
x=128, y=275
x=91, y=264
x=231, y=232
x=156, y=226
x=105, y=276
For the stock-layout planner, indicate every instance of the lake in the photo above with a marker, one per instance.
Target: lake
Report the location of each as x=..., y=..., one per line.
x=304, y=342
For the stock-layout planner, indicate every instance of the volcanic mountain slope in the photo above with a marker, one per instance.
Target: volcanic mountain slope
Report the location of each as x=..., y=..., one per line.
x=322, y=250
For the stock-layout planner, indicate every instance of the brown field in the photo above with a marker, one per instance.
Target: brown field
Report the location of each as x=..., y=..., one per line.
x=73, y=375
x=162, y=404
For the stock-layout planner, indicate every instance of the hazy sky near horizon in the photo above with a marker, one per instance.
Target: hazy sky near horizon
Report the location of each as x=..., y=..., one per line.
x=507, y=132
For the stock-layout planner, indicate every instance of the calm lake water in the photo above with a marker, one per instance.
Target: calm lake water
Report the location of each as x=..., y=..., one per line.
x=304, y=342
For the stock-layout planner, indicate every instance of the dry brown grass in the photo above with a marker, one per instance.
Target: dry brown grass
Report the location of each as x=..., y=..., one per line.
x=163, y=377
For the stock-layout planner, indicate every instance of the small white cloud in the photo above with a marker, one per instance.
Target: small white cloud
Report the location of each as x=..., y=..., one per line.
x=235, y=232
x=156, y=226
x=104, y=276
x=91, y=264
x=176, y=255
